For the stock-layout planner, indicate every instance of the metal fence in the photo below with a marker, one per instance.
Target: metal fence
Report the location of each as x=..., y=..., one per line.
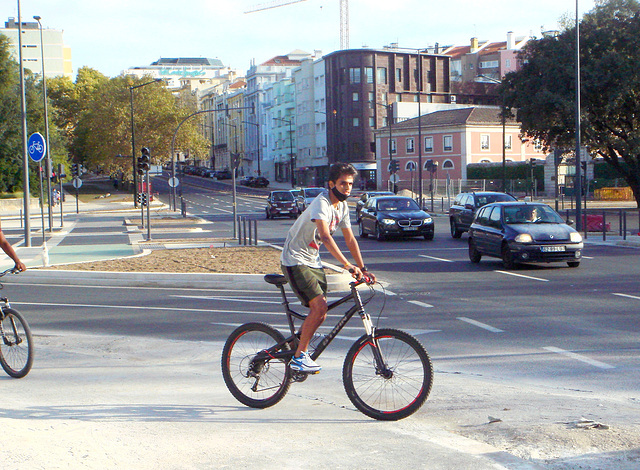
x=608, y=222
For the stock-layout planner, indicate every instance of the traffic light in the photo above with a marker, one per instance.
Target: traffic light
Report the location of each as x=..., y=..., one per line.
x=74, y=170
x=394, y=166
x=80, y=169
x=144, y=161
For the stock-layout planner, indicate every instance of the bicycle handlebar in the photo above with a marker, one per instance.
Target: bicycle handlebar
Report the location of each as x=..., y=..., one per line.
x=364, y=279
x=13, y=270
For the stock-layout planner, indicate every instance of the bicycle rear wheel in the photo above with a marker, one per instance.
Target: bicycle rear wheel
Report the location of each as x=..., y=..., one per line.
x=396, y=390
x=258, y=384
x=16, y=344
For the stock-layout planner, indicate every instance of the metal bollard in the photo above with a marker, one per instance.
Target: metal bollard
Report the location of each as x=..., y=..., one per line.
x=624, y=223
x=255, y=231
x=604, y=226
x=183, y=207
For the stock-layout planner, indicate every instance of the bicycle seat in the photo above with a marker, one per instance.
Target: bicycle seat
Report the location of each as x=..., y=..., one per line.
x=276, y=279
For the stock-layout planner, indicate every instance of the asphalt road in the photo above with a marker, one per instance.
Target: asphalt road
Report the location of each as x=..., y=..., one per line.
x=550, y=325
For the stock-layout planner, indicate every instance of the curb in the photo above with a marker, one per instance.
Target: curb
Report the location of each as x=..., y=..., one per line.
x=338, y=282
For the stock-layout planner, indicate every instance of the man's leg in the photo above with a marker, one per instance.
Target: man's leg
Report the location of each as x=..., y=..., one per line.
x=317, y=315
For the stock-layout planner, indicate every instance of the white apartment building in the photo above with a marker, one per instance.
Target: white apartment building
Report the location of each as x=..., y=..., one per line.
x=57, y=56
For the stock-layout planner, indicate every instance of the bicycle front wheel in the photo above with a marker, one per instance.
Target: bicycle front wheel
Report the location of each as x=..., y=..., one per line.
x=16, y=344
x=394, y=389
x=255, y=383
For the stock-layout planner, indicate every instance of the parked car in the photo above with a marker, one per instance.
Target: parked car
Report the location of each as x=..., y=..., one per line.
x=400, y=216
x=365, y=197
x=245, y=180
x=223, y=175
x=281, y=204
x=465, y=206
x=259, y=182
x=305, y=196
x=523, y=232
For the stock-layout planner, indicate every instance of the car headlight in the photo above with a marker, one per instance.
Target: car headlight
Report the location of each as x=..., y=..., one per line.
x=524, y=238
x=388, y=221
x=428, y=220
x=575, y=237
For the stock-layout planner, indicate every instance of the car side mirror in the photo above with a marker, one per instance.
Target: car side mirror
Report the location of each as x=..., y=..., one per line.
x=570, y=222
x=469, y=206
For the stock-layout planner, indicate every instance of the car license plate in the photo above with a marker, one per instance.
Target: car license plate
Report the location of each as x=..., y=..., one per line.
x=284, y=212
x=411, y=228
x=552, y=249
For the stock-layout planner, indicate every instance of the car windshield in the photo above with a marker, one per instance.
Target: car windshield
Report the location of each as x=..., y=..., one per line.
x=531, y=214
x=312, y=192
x=283, y=196
x=398, y=204
x=483, y=200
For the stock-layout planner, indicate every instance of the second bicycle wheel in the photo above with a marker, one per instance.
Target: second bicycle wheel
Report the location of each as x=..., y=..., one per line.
x=255, y=383
x=400, y=388
x=16, y=345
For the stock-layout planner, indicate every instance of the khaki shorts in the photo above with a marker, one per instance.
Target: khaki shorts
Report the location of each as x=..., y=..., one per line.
x=306, y=282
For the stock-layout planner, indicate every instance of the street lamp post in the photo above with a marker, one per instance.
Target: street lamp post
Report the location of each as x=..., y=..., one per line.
x=133, y=142
x=25, y=167
x=46, y=127
x=291, y=156
x=578, y=178
x=232, y=162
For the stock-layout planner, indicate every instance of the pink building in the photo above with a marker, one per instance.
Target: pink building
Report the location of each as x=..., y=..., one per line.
x=452, y=139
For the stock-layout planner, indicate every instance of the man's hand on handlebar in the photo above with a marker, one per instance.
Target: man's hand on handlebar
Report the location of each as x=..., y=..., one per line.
x=361, y=274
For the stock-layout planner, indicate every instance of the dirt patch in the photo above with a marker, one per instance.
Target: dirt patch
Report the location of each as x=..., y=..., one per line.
x=242, y=260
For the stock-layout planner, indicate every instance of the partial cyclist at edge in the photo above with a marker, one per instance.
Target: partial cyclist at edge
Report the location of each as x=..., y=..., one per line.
x=300, y=257
x=10, y=252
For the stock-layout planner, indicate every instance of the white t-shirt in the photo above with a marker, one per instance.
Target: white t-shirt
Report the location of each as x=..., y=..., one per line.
x=303, y=242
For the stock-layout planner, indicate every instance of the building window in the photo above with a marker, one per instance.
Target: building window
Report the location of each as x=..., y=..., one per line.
x=382, y=76
x=372, y=99
x=489, y=64
x=392, y=146
x=485, y=160
x=507, y=142
x=410, y=145
x=368, y=74
x=484, y=142
x=537, y=144
x=356, y=122
x=411, y=166
x=448, y=165
x=507, y=63
x=354, y=75
x=372, y=122
x=398, y=75
x=447, y=143
x=428, y=144
x=356, y=96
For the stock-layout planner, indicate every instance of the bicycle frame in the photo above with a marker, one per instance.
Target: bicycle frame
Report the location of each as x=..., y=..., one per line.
x=276, y=352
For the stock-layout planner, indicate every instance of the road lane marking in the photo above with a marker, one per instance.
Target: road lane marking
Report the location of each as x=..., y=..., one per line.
x=522, y=275
x=437, y=259
x=579, y=357
x=420, y=304
x=627, y=295
x=481, y=325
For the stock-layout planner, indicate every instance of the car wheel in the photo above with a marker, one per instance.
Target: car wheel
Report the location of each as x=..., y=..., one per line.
x=455, y=233
x=379, y=234
x=507, y=257
x=362, y=233
x=428, y=236
x=573, y=264
x=474, y=254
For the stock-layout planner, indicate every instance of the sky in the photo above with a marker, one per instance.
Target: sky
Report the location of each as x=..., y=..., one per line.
x=113, y=35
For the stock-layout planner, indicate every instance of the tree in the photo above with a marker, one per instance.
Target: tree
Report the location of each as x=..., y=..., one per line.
x=96, y=115
x=543, y=90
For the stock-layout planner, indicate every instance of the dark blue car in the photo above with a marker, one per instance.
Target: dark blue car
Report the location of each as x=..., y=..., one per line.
x=523, y=232
x=394, y=216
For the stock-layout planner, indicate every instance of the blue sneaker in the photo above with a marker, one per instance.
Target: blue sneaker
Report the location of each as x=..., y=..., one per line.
x=304, y=363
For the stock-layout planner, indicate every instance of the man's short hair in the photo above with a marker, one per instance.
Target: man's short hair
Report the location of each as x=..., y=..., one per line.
x=338, y=169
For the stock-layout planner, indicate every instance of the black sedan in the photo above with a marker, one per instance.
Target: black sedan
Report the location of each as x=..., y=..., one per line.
x=522, y=232
x=388, y=216
x=365, y=197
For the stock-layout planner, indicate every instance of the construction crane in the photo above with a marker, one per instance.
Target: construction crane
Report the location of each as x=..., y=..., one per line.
x=344, y=16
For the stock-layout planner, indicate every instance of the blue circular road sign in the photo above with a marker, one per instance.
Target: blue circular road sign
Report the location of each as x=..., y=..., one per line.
x=36, y=146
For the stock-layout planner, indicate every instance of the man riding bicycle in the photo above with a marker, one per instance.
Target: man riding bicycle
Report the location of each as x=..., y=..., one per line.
x=300, y=257
x=10, y=252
